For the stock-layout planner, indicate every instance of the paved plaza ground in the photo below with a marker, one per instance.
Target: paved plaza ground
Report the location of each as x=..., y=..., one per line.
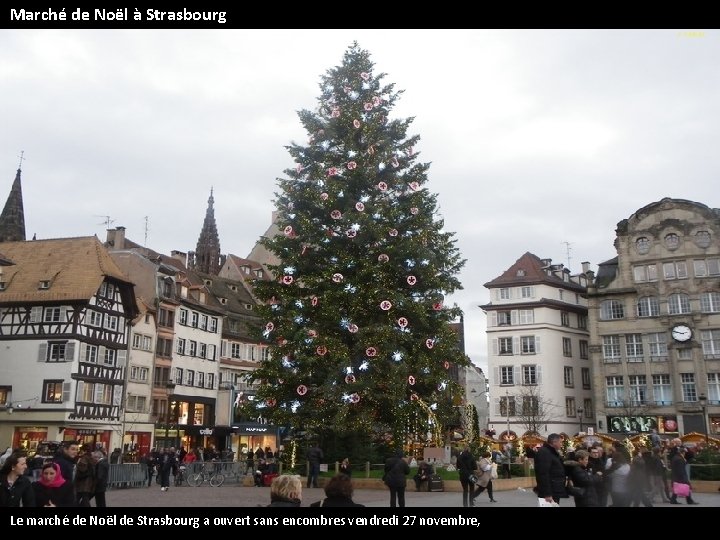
x=233, y=495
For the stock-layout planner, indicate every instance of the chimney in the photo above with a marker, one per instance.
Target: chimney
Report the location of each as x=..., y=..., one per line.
x=179, y=256
x=585, y=267
x=116, y=238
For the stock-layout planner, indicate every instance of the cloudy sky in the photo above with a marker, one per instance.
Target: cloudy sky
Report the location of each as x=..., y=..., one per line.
x=538, y=139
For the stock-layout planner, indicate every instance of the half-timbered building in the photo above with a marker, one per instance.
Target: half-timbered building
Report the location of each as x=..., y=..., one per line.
x=65, y=307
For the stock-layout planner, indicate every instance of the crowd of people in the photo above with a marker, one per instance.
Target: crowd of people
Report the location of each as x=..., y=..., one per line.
x=613, y=476
x=74, y=476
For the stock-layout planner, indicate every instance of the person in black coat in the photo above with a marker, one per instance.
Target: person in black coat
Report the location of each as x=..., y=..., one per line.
x=425, y=470
x=15, y=487
x=466, y=466
x=66, y=457
x=549, y=470
x=396, y=471
x=679, y=475
x=582, y=482
x=102, y=472
x=338, y=492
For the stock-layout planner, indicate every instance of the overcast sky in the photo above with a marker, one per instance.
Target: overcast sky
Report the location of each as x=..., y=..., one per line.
x=536, y=138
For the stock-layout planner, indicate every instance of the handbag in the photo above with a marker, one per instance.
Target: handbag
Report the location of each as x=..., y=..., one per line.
x=542, y=503
x=681, y=490
x=473, y=479
x=493, y=471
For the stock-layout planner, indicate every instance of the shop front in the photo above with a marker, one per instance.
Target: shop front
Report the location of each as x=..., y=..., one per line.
x=248, y=435
x=28, y=437
x=96, y=438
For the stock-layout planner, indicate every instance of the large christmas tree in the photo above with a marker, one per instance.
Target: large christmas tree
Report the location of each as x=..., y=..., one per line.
x=360, y=336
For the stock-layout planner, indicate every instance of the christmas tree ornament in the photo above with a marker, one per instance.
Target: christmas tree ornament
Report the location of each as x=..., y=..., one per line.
x=324, y=196
x=371, y=351
x=351, y=165
x=359, y=206
x=411, y=380
x=336, y=214
x=411, y=280
x=414, y=210
x=353, y=328
x=356, y=123
x=333, y=171
x=429, y=343
x=302, y=390
x=382, y=186
x=354, y=398
x=350, y=379
x=402, y=322
x=337, y=278
x=321, y=350
x=383, y=258
x=288, y=280
x=365, y=76
x=288, y=230
x=270, y=327
x=385, y=305
x=393, y=232
x=350, y=233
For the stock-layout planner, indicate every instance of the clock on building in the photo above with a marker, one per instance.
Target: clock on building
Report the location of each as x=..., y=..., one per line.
x=681, y=333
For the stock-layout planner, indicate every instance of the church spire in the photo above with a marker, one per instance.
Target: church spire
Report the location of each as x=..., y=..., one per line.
x=12, y=219
x=207, y=253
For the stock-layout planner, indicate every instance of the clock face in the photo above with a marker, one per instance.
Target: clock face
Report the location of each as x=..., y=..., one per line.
x=681, y=333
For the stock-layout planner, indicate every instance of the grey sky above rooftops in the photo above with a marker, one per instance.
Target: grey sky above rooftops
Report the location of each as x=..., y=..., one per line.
x=536, y=137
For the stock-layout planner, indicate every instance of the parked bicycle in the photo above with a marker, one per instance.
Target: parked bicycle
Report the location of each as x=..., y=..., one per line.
x=210, y=473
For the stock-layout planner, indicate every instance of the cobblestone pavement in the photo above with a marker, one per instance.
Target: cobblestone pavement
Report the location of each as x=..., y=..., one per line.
x=233, y=495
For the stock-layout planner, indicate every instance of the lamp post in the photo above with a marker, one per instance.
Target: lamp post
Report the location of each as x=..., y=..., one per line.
x=703, y=401
x=507, y=410
x=580, y=413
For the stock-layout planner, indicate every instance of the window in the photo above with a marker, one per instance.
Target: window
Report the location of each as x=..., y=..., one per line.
x=505, y=345
x=530, y=406
x=504, y=294
x=109, y=357
x=193, y=348
x=684, y=354
x=588, y=408
x=139, y=374
x=194, y=318
x=526, y=316
x=614, y=390
x=561, y=293
x=673, y=270
x=52, y=314
x=58, y=352
x=611, y=349
x=201, y=379
x=44, y=284
x=678, y=303
x=136, y=403
x=645, y=272
x=527, y=292
x=211, y=380
x=582, y=322
x=657, y=346
x=507, y=406
x=162, y=376
x=713, y=383
x=570, y=407
x=710, y=343
x=111, y=322
x=612, y=309
x=700, y=267
x=181, y=346
x=689, y=392
x=564, y=318
x=567, y=346
x=203, y=322
x=648, y=306
x=136, y=341
x=147, y=343
x=642, y=245
x=90, y=354
x=531, y=375
x=528, y=345
x=202, y=353
x=190, y=377
x=94, y=318
x=264, y=354
x=183, y=317
x=166, y=318
x=213, y=325
x=235, y=350
x=210, y=352
x=179, y=375
x=503, y=318
x=661, y=389
x=52, y=391
x=672, y=241
x=568, y=377
x=634, y=347
x=585, y=374
x=506, y=375
x=164, y=347
x=638, y=389
x=584, y=350
x=710, y=302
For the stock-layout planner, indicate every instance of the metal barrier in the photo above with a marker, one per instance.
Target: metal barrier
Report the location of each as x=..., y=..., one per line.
x=127, y=475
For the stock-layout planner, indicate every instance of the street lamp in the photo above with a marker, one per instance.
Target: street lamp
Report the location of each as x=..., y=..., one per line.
x=703, y=401
x=580, y=413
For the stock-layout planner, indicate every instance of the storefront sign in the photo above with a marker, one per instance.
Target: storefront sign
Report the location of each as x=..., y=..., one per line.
x=642, y=424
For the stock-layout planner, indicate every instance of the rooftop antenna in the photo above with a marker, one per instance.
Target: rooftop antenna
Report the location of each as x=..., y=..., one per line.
x=568, y=249
x=107, y=221
x=147, y=228
x=22, y=157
